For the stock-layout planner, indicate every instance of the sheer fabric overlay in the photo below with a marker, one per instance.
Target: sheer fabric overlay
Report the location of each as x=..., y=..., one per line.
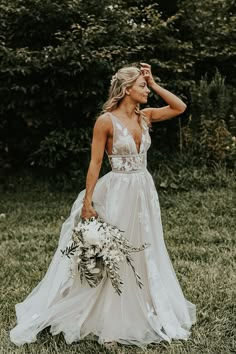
x=125, y=197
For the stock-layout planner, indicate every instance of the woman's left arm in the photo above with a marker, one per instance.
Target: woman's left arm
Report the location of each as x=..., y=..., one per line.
x=175, y=105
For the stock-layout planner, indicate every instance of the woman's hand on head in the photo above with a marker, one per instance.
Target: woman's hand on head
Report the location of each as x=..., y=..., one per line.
x=147, y=73
x=88, y=211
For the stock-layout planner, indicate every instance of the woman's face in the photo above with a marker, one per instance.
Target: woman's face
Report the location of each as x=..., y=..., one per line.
x=139, y=91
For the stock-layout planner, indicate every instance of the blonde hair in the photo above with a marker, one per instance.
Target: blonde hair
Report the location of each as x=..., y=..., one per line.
x=123, y=79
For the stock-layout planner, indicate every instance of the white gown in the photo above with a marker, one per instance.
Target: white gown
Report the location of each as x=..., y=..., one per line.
x=125, y=197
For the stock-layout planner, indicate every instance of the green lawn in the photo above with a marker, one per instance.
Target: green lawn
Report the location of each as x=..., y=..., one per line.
x=199, y=231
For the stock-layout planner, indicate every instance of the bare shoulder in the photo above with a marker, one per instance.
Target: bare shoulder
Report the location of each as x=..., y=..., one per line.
x=104, y=120
x=103, y=123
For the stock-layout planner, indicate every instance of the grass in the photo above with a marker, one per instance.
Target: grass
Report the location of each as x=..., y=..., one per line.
x=199, y=227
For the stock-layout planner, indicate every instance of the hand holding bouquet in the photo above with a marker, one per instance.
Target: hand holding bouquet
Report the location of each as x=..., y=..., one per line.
x=97, y=248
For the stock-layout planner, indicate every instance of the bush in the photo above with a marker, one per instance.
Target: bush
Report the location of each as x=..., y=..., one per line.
x=210, y=131
x=56, y=63
x=57, y=59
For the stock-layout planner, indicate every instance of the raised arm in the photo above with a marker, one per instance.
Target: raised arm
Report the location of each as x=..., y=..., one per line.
x=100, y=134
x=175, y=105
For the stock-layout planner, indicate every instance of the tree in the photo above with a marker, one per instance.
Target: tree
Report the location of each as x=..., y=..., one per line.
x=210, y=25
x=57, y=59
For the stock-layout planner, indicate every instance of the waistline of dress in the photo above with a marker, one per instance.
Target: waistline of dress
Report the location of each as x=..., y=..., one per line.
x=129, y=172
x=128, y=163
x=128, y=155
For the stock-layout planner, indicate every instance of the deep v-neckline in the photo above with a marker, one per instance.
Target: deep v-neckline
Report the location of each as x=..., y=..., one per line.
x=131, y=135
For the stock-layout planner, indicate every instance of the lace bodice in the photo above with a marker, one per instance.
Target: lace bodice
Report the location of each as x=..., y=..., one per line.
x=125, y=156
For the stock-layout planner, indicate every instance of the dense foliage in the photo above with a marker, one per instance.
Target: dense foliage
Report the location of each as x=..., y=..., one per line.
x=57, y=58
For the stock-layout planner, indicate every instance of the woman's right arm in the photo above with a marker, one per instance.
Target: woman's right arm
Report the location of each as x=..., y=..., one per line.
x=100, y=133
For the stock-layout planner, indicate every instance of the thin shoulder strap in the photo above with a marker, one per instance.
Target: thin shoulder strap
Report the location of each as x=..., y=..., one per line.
x=115, y=130
x=112, y=117
x=114, y=126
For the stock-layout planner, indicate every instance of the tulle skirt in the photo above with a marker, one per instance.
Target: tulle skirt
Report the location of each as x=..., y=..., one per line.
x=158, y=311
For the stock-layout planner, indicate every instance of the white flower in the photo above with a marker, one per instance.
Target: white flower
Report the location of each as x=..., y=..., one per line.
x=91, y=265
x=91, y=237
x=114, y=253
x=95, y=271
x=104, y=254
x=90, y=253
x=93, y=225
x=102, y=237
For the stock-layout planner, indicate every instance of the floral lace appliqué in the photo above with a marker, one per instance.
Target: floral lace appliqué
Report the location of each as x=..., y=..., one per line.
x=128, y=163
x=144, y=219
x=154, y=199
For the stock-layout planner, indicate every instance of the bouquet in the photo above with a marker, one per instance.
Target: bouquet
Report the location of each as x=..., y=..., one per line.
x=96, y=250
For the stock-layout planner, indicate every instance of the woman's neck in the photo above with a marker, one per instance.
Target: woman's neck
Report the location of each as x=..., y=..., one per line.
x=126, y=109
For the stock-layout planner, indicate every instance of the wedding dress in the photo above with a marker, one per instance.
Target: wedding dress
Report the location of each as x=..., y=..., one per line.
x=125, y=197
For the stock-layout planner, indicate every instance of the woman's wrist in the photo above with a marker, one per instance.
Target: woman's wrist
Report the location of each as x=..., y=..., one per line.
x=154, y=86
x=87, y=201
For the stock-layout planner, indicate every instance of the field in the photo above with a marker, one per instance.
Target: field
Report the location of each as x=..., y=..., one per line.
x=199, y=227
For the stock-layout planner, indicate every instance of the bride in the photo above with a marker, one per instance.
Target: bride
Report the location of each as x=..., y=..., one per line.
x=125, y=197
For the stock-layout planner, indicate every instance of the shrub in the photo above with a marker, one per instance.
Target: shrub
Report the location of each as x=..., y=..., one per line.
x=209, y=132
x=57, y=59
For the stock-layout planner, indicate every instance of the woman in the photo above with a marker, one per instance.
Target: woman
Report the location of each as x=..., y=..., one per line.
x=125, y=197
